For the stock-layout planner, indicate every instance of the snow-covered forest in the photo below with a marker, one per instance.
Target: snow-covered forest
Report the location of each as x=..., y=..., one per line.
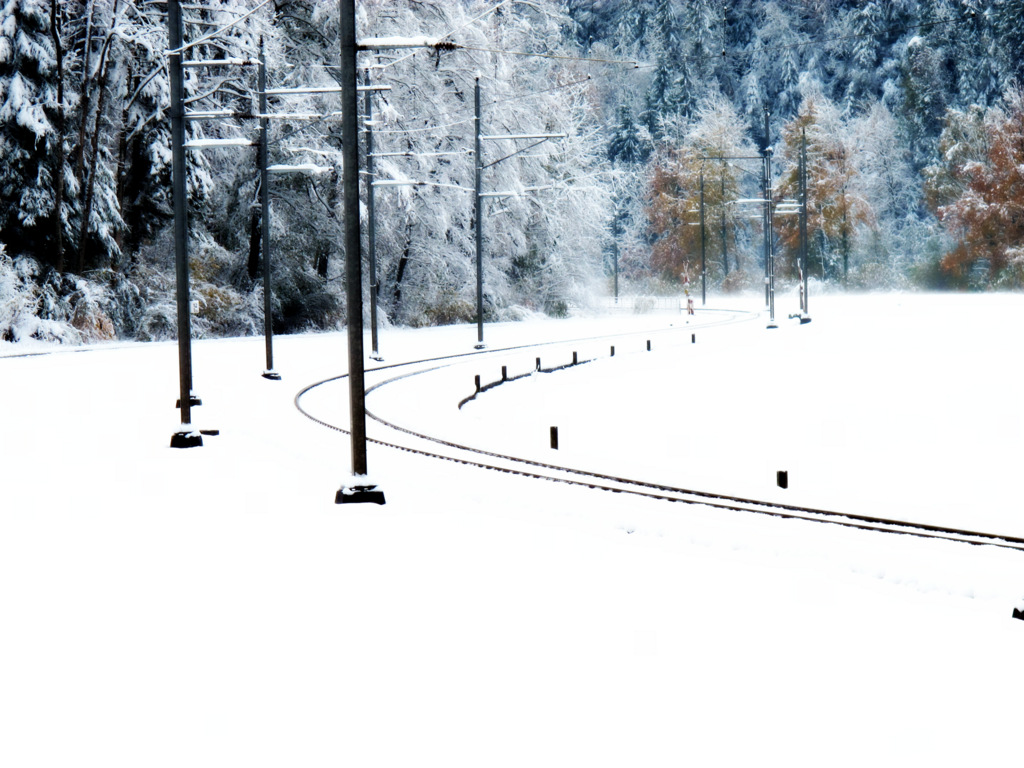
x=911, y=115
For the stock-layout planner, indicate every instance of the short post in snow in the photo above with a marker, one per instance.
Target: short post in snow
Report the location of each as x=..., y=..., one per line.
x=554, y=438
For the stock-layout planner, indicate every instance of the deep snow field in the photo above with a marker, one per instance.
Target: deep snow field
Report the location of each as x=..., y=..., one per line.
x=214, y=607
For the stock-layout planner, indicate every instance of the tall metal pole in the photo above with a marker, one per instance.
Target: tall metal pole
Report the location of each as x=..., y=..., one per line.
x=371, y=235
x=768, y=218
x=478, y=161
x=268, y=312
x=725, y=247
x=615, y=257
x=803, y=215
x=703, y=248
x=360, y=489
x=185, y=437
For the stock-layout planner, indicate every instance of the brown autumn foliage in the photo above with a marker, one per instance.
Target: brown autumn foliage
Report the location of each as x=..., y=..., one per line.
x=835, y=209
x=978, y=190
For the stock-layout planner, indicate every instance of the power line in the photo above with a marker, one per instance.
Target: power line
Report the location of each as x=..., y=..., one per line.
x=215, y=33
x=521, y=96
x=563, y=57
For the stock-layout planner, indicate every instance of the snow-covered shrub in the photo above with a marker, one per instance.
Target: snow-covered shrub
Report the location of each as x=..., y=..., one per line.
x=223, y=311
x=302, y=301
x=30, y=311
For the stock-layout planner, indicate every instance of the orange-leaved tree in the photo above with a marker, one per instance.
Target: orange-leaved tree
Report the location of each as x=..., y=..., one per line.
x=716, y=134
x=836, y=209
x=977, y=191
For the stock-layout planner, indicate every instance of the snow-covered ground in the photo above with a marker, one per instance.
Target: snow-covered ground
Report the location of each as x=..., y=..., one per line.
x=214, y=607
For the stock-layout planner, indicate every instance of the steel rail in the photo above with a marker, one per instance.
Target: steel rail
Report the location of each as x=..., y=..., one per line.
x=644, y=489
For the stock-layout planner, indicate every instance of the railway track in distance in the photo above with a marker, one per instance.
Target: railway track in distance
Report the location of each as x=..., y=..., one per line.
x=412, y=441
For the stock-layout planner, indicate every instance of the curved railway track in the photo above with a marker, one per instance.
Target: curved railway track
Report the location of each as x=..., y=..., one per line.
x=433, y=447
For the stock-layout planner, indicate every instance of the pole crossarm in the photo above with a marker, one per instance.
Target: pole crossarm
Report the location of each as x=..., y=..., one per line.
x=218, y=143
x=397, y=183
x=322, y=89
x=229, y=62
x=515, y=136
x=226, y=114
x=300, y=168
x=401, y=43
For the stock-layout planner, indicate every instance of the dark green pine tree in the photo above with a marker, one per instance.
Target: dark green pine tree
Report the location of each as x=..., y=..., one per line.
x=970, y=50
x=1008, y=24
x=924, y=98
x=865, y=31
x=28, y=135
x=656, y=102
x=625, y=145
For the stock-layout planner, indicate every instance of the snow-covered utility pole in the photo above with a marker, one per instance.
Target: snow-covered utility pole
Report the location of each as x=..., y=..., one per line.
x=371, y=235
x=769, y=251
x=803, y=222
x=703, y=248
x=478, y=216
x=359, y=489
x=268, y=313
x=537, y=138
x=186, y=436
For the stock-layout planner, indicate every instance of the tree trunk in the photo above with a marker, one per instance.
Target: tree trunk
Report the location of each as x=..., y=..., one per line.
x=101, y=85
x=58, y=176
x=122, y=159
x=402, y=263
x=86, y=92
x=83, y=240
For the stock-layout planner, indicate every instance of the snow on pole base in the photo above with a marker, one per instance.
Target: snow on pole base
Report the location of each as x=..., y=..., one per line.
x=186, y=437
x=359, y=490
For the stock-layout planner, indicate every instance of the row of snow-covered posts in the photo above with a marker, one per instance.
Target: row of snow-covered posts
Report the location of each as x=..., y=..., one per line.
x=185, y=437
x=360, y=489
x=479, y=387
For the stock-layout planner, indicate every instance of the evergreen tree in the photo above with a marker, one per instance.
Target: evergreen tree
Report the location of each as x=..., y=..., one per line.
x=28, y=139
x=923, y=98
x=144, y=148
x=971, y=51
x=626, y=145
x=656, y=99
x=1008, y=26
